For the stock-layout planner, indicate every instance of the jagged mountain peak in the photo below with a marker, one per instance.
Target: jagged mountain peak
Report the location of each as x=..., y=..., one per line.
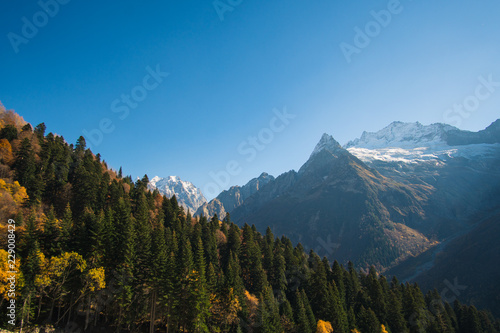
x=188, y=195
x=327, y=142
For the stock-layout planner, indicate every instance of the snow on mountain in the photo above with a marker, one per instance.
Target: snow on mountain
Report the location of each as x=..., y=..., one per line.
x=415, y=143
x=436, y=154
x=188, y=195
x=403, y=135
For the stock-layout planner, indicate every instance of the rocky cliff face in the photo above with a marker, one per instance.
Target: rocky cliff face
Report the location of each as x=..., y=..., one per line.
x=228, y=200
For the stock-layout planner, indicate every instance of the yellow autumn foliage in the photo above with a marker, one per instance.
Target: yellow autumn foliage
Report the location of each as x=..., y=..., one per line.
x=12, y=196
x=383, y=329
x=55, y=271
x=355, y=331
x=17, y=191
x=5, y=274
x=324, y=327
x=97, y=279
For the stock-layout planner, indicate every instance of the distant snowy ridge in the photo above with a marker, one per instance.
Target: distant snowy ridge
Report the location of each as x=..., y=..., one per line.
x=416, y=143
x=403, y=135
x=188, y=195
x=425, y=154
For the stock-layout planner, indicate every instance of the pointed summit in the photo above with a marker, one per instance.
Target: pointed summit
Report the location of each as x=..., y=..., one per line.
x=327, y=142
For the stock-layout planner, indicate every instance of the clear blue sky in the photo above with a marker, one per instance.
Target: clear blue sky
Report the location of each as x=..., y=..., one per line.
x=226, y=76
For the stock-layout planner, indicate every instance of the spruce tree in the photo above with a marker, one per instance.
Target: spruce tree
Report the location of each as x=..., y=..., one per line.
x=367, y=321
x=51, y=234
x=303, y=324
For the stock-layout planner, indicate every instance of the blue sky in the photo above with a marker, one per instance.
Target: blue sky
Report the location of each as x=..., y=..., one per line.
x=228, y=78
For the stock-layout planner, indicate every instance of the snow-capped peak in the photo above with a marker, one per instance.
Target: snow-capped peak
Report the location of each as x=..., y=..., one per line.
x=173, y=179
x=188, y=195
x=155, y=180
x=327, y=142
x=403, y=135
x=416, y=143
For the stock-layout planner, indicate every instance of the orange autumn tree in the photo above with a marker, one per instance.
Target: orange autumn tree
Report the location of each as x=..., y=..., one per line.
x=324, y=327
x=6, y=155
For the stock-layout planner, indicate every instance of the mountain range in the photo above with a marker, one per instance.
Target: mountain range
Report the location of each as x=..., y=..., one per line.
x=404, y=199
x=401, y=189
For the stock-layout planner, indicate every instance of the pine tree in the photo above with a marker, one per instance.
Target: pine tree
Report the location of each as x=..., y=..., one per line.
x=125, y=266
x=40, y=131
x=254, y=276
x=269, y=318
x=66, y=229
x=278, y=278
x=367, y=321
x=142, y=229
x=25, y=168
x=376, y=294
x=286, y=312
x=321, y=298
x=199, y=297
x=395, y=316
x=338, y=315
x=309, y=311
x=51, y=235
x=303, y=324
x=158, y=260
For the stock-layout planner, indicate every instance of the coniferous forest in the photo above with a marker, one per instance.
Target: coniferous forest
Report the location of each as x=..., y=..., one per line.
x=96, y=251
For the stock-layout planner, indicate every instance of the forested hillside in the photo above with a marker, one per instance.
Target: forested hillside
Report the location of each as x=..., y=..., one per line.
x=98, y=252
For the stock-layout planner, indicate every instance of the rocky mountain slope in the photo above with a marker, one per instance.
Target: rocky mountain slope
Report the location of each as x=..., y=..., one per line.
x=228, y=200
x=383, y=197
x=341, y=208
